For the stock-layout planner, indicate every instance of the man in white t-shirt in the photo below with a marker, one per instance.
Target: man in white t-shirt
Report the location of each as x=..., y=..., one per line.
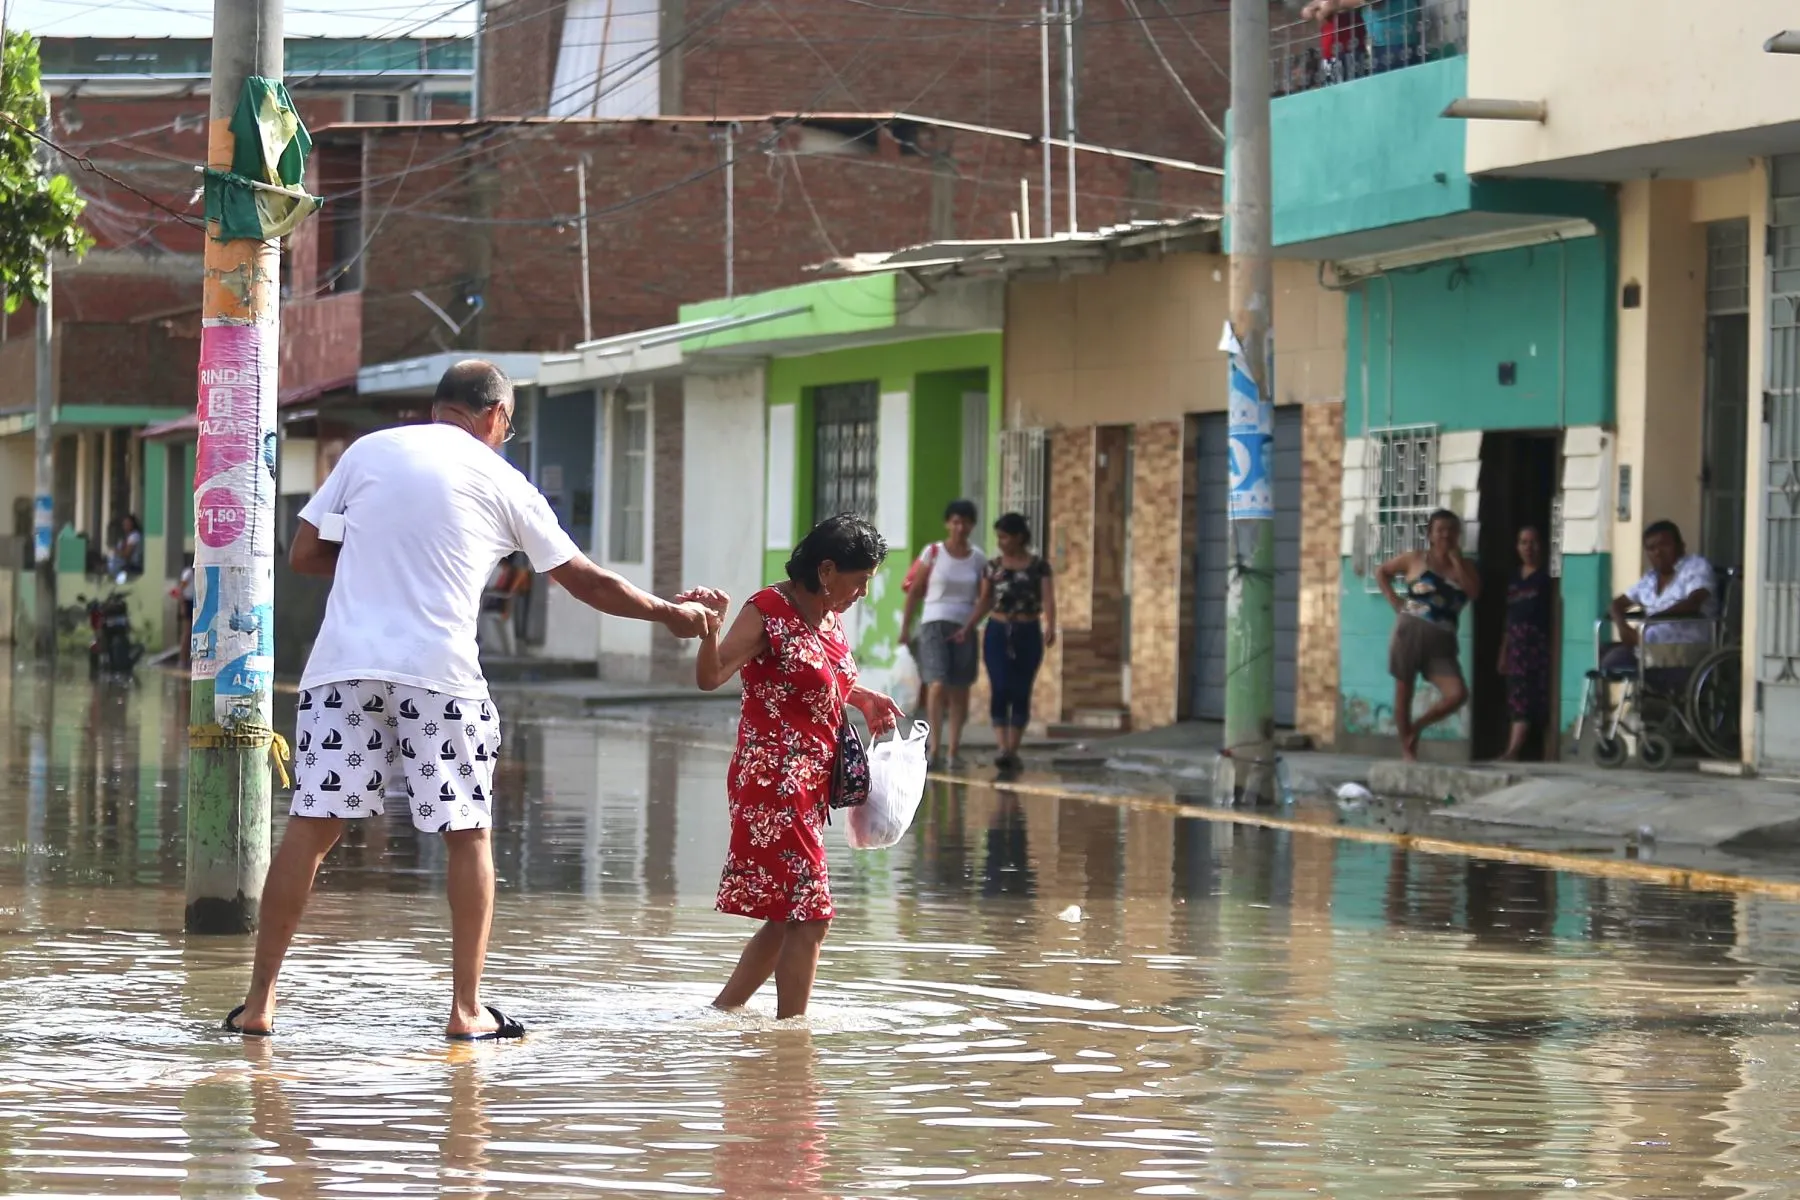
x=408, y=527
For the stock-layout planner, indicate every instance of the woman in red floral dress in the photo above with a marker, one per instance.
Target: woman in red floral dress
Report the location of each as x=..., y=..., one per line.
x=798, y=676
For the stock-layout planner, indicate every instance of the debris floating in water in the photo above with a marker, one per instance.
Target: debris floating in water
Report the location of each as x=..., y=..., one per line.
x=1070, y=914
x=1354, y=791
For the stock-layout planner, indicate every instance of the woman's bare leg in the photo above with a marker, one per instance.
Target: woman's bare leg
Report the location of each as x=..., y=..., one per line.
x=1515, y=745
x=1403, y=722
x=754, y=967
x=798, y=966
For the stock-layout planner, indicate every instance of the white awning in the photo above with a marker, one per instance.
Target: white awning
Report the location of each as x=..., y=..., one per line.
x=419, y=376
x=646, y=354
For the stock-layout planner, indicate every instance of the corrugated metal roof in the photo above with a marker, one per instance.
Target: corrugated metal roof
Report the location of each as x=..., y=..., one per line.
x=1002, y=256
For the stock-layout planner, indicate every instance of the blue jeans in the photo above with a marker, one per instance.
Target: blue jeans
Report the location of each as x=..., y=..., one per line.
x=1014, y=651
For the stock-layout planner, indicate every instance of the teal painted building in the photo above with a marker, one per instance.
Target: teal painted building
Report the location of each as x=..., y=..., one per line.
x=1479, y=371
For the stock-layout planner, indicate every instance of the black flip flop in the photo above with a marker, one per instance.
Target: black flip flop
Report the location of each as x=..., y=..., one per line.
x=230, y=1025
x=506, y=1029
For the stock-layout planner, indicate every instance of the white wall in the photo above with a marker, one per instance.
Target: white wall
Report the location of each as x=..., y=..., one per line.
x=724, y=442
x=1617, y=74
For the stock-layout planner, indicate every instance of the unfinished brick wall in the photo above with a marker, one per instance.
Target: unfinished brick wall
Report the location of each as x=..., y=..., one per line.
x=474, y=213
x=975, y=61
x=1321, y=503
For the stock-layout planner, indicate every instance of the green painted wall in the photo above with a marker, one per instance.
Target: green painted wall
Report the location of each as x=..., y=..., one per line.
x=1369, y=153
x=835, y=306
x=1453, y=323
x=934, y=372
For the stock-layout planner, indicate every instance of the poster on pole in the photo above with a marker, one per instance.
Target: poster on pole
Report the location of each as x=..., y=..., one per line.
x=1250, y=418
x=234, y=516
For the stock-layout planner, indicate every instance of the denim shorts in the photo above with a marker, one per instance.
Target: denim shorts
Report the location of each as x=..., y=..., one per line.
x=944, y=661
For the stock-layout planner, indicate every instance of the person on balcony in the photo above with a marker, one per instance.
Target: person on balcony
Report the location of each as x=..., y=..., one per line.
x=1393, y=31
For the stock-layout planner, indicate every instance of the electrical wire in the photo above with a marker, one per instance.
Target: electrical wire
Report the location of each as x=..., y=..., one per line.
x=1174, y=75
x=87, y=164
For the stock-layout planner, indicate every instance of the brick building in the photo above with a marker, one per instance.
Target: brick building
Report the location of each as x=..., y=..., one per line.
x=126, y=342
x=976, y=61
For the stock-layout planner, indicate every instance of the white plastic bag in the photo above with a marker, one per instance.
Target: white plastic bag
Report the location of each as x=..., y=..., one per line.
x=904, y=680
x=896, y=785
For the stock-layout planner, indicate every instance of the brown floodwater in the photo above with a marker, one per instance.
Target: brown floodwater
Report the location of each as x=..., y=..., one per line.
x=1027, y=997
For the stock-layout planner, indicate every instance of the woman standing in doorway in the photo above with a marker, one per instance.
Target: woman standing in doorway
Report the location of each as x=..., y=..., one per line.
x=1525, y=649
x=1018, y=598
x=798, y=678
x=947, y=586
x=1438, y=583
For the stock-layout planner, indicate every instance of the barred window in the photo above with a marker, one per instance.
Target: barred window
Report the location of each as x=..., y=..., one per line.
x=1024, y=478
x=844, y=449
x=1401, y=479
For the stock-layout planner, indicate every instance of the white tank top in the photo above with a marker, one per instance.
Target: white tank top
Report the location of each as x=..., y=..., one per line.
x=955, y=584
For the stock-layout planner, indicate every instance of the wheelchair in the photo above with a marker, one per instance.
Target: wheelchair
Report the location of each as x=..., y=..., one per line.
x=1672, y=696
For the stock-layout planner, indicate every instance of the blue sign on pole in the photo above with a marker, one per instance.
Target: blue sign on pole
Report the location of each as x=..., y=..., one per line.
x=42, y=526
x=1251, y=428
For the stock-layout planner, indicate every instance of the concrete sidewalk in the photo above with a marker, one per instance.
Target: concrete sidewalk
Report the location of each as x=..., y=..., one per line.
x=1680, y=805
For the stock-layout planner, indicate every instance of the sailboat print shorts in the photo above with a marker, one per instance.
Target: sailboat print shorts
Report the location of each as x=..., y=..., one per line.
x=357, y=741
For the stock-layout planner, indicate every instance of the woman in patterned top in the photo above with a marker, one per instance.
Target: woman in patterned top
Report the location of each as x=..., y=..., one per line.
x=1018, y=598
x=798, y=676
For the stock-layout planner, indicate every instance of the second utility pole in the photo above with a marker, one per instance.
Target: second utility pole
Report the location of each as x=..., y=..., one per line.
x=1250, y=595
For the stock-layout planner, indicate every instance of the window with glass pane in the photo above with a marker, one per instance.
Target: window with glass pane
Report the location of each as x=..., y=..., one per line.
x=844, y=445
x=630, y=451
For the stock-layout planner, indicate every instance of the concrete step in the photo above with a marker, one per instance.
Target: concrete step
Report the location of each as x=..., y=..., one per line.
x=1436, y=781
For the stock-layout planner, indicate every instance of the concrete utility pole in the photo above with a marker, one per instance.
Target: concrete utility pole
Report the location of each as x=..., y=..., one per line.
x=587, y=295
x=234, y=516
x=43, y=514
x=1250, y=598
x=1069, y=15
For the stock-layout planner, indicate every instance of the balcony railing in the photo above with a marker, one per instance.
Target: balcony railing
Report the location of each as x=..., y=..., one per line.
x=1375, y=37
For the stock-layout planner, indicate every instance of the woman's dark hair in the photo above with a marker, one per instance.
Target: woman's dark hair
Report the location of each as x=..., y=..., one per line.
x=1444, y=514
x=960, y=508
x=1668, y=527
x=847, y=541
x=1014, y=525
x=137, y=526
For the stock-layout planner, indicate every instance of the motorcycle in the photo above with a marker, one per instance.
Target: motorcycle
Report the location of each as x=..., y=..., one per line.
x=113, y=651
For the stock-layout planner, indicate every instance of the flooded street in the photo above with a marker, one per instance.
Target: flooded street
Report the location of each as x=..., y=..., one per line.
x=1028, y=996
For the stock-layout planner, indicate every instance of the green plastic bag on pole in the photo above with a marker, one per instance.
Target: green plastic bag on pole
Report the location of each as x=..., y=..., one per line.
x=272, y=145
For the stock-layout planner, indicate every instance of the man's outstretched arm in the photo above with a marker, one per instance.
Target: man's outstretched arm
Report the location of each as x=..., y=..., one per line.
x=617, y=596
x=311, y=554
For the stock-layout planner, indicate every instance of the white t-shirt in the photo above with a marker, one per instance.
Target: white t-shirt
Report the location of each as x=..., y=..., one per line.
x=955, y=584
x=428, y=511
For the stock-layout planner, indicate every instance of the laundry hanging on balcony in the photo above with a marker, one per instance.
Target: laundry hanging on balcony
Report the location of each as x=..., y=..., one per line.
x=263, y=195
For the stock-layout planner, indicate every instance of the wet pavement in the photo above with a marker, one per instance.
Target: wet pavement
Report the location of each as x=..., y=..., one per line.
x=1031, y=995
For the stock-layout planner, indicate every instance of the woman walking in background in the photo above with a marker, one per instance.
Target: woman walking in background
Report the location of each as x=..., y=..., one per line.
x=1525, y=650
x=1018, y=598
x=798, y=677
x=946, y=588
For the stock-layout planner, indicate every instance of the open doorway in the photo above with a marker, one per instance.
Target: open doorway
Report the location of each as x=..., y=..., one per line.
x=1519, y=474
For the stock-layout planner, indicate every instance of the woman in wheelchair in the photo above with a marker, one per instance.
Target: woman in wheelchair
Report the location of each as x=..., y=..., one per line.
x=1437, y=583
x=1677, y=682
x=1678, y=584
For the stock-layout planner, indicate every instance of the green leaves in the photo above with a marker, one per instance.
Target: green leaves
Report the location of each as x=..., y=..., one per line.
x=40, y=213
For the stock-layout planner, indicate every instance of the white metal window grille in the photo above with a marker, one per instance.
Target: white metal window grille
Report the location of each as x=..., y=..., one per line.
x=845, y=445
x=1401, y=482
x=1024, y=479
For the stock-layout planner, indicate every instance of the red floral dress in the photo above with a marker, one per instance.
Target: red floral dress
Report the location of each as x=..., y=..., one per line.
x=779, y=782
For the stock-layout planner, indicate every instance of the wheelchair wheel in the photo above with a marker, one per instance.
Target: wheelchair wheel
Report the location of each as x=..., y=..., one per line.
x=1608, y=751
x=1713, y=700
x=1655, y=751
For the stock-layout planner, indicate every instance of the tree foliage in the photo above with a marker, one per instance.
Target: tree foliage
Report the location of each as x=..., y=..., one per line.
x=40, y=213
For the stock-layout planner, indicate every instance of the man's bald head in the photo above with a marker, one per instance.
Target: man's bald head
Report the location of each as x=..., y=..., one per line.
x=474, y=385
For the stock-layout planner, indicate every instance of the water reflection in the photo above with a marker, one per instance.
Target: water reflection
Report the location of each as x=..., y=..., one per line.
x=1026, y=995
